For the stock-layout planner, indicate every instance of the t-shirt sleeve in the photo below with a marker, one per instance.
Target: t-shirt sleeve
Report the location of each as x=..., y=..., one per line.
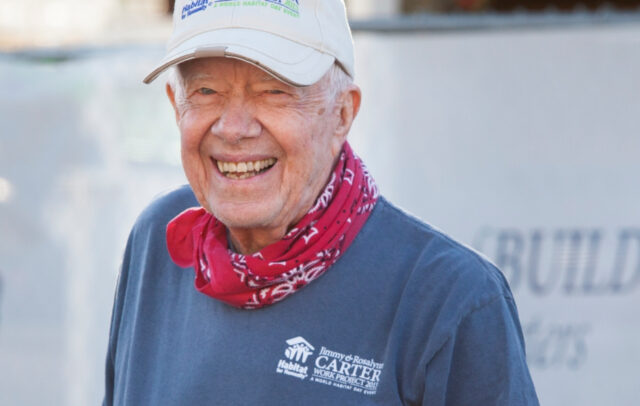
x=483, y=362
x=115, y=326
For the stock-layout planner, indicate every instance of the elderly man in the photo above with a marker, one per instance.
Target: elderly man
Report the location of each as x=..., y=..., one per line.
x=310, y=288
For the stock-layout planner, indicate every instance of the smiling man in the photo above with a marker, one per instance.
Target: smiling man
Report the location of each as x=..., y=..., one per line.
x=257, y=151
x=310, y=288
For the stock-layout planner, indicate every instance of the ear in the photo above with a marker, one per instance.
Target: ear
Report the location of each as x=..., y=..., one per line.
x=172, y=98
x=349, y=106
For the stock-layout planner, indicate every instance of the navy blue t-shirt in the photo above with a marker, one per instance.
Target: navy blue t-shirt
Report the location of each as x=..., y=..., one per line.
x=406, y=316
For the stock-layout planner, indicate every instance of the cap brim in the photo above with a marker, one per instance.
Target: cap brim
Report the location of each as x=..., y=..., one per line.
x=287, y=60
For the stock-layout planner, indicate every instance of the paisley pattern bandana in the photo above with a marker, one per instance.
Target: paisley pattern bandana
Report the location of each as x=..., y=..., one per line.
x=195, y=238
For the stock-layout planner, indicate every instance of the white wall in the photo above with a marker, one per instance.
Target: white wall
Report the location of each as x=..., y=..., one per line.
x=360, y=9
x=38, y=23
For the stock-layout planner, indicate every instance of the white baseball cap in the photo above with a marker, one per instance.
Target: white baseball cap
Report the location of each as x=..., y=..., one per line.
x=296, y=41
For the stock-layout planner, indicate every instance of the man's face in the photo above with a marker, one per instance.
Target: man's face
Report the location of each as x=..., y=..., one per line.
x=255, y=150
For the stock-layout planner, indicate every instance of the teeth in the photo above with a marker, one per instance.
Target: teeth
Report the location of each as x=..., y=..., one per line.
x=243, y=170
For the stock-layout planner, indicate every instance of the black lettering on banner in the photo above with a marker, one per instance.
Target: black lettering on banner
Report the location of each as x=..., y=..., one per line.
x=539, y=284
x=568, y=261
x=626, y=277
x=590, y=284
x=509, y=255
x=556, y=345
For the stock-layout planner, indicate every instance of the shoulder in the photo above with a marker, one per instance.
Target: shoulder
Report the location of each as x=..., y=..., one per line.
x=164, y=207
x=439, y=272
x=451, y=307
x=437, y=255
x=147, y=235
x=146, y=247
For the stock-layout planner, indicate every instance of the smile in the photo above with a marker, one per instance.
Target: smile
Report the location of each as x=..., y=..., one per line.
x=244, y=170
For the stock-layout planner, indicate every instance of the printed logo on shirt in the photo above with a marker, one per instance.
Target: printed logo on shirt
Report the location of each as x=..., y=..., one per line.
x=329, y=367
x=297, y=353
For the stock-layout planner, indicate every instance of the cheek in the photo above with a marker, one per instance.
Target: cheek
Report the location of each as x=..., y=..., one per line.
x=192, y=131
x=315, y=157
x=326, y=146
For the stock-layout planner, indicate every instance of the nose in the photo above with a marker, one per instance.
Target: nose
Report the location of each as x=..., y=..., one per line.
x=236, y=122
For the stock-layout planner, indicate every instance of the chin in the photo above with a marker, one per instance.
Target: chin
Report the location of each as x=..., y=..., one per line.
x=234, y=216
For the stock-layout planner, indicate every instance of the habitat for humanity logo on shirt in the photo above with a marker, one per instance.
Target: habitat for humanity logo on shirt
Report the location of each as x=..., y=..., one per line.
x=333, y=368
x=289, y=7
x=297, y=354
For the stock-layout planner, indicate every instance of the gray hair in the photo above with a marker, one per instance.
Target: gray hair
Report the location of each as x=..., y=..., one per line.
x=338, y=79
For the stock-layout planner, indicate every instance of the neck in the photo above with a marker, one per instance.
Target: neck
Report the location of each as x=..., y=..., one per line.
x=249, y=241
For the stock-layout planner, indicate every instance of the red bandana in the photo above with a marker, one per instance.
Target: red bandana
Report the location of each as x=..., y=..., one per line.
x=195, y=237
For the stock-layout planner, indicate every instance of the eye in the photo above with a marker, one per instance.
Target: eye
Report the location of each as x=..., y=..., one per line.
x=274, y=91
x=206, y=91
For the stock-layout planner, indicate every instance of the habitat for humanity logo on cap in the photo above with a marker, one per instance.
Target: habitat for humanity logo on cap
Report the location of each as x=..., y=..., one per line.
x=290, y=7
x=194, y=6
